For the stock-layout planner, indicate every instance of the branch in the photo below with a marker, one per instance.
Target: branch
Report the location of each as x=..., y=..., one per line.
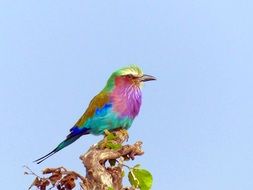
x=104, y=164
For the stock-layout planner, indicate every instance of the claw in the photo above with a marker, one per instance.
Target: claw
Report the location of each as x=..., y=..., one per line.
x=125, y=133
x=106, y=132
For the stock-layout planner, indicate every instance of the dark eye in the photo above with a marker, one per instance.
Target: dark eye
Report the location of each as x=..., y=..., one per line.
x=130, y=76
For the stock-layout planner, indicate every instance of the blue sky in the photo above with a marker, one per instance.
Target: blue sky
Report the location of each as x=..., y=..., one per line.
x=196, y=119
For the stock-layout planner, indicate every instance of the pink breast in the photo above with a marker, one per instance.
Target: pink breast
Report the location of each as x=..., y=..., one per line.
x=126, y=98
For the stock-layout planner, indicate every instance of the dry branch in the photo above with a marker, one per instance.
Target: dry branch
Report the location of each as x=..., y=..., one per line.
x=103, y=163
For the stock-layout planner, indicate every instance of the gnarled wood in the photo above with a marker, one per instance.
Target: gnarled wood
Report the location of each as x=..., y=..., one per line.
x=100, y=175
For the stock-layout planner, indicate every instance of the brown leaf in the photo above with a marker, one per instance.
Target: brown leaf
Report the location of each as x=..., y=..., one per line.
x=70, y=185
x=68, y=181
x=40, y=183
x=55, y=177
x=44, y=184
x=48, y=170
x=37, y=182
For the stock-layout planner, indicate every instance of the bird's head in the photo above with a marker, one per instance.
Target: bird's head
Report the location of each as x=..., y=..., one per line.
x=128, y=76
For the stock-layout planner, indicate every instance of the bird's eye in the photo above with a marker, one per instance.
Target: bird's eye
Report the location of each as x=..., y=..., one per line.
x=130, y=76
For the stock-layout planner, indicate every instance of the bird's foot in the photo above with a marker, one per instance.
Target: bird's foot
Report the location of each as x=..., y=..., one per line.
x=113, y=139
x=107, y=132
x=108, y=137
x=124, y=133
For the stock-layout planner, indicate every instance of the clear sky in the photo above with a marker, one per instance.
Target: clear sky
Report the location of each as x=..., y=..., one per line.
x=196, y=119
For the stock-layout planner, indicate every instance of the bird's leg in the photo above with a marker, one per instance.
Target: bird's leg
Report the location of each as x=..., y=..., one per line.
x=106, y=132
x=125, y=133
x=108, y=136
x=113, y=139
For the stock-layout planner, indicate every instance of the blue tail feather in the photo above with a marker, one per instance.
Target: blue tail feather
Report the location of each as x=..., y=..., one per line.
x=75, y=133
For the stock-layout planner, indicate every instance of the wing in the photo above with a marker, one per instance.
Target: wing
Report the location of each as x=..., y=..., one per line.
x=79, y=129
x=97, y=102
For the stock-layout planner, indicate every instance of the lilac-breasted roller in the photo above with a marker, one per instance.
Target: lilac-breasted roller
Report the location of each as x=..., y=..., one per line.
x=114, y=107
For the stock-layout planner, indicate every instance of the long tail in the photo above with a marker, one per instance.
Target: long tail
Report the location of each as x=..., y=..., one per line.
x=72, y=137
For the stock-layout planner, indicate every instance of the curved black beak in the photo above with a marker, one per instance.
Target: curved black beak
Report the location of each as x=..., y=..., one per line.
x=145, y=78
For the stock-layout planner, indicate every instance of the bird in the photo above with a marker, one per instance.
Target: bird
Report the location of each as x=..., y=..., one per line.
x=114, y=107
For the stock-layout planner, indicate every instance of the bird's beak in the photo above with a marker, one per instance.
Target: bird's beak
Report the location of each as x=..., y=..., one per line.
x=145, y=78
